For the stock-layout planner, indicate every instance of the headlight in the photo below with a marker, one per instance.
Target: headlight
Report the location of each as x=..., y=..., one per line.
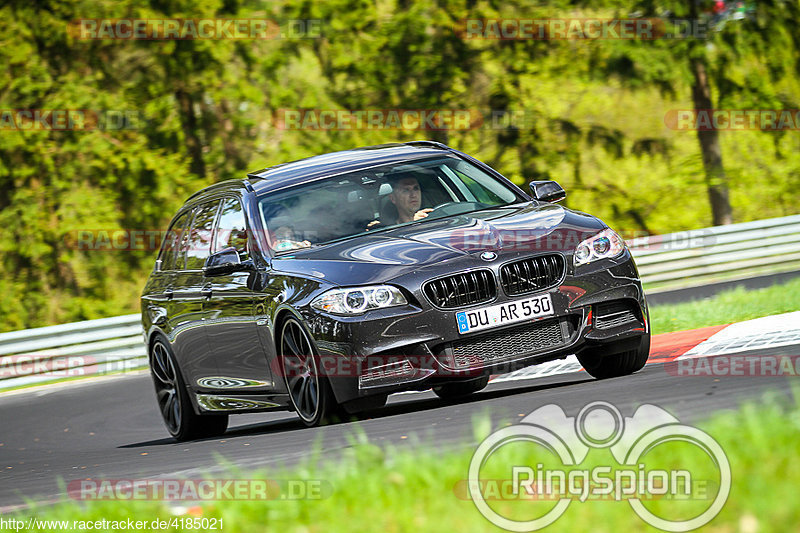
x=603, y=245
x=357, y=300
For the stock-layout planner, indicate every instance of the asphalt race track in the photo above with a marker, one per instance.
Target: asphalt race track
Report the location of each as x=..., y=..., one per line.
x=110, y=428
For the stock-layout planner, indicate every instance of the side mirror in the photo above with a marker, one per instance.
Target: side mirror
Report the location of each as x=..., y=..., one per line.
x=547, y=191
x=226, y=261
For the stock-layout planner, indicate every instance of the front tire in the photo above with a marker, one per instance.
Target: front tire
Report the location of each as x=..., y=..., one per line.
x=309, y=391
x=173, y=399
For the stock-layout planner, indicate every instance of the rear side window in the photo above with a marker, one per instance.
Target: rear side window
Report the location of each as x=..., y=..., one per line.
x=232, y=228
x=172, y=241
x=201, y=235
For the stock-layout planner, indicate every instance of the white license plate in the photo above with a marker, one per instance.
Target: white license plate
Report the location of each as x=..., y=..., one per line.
x=507, y=313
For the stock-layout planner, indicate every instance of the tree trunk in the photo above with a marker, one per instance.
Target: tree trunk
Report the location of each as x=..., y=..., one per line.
x=442, y=136
x=189, y=123
x=716, y=181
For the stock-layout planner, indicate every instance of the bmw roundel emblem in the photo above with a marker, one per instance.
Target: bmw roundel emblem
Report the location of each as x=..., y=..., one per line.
x=488, y=256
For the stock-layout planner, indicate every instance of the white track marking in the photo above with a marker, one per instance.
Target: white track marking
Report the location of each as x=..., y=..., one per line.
x=766, y=332
x=550, y=368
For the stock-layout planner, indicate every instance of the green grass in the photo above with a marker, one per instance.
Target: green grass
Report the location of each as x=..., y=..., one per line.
x=726, y=307
x=382, y=489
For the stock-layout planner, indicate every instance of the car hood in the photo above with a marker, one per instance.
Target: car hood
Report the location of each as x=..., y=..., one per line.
x=522, y=229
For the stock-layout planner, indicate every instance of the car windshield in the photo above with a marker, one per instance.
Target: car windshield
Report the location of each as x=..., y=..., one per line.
x=377, y=198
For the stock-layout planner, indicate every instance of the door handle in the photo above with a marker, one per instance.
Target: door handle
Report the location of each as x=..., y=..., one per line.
x=205, y=292
x=167, y=294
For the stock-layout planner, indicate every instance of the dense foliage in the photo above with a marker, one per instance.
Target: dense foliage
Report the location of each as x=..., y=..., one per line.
x=589, y=113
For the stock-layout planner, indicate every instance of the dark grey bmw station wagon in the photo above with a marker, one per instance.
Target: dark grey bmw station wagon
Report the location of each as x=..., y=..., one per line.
x=323, y=285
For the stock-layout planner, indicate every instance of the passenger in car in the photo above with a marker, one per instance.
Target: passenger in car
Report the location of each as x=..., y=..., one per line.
x=285, y=239
x=282, y=235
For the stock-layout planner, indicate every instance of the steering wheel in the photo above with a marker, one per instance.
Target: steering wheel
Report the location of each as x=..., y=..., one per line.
x=455, y=208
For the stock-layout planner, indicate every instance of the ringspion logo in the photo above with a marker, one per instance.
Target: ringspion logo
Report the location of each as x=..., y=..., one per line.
x=557, y=473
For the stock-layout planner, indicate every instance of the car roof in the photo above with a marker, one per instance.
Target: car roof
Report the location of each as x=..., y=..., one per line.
x=311, y=168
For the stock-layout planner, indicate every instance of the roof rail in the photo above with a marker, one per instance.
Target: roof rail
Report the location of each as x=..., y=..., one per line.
x=432, y=144
x=220, y=185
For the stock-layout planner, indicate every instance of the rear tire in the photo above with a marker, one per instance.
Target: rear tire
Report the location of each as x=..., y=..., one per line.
x=460, y=389
x=616, y=365
x=174, y=402
x=309, y=391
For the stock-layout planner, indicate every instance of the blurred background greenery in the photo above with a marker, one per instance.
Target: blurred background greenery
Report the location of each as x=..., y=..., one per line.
x=588, y=113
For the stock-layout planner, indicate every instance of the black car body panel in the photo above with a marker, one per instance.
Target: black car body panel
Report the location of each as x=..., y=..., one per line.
x=223, y=329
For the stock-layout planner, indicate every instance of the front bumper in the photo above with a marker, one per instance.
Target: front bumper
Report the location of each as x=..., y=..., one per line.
x=388, y=351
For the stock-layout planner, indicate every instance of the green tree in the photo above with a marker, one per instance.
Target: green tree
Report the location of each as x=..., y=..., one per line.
x=707, y=59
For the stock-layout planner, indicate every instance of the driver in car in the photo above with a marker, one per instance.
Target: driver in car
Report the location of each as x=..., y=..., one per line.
x=406, y=196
